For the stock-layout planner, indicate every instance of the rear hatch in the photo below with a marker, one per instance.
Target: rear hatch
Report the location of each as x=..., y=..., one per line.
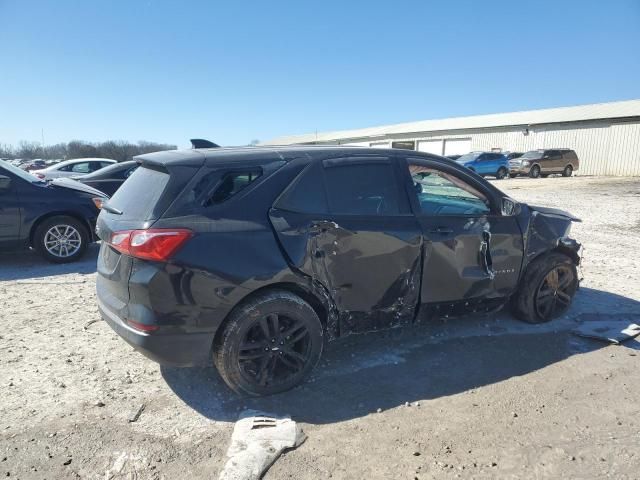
x=137, y=204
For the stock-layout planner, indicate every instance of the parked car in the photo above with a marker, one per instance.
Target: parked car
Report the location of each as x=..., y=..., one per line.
x=32, y=165
x=253, y=257
x=56, y=218
x=486, y=163
x=109, y=179
x=542, y=163
x=73, y=168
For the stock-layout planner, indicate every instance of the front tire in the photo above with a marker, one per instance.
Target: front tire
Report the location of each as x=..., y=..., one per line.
x=568, y=171
x=535, y=171
x=501, y=173
x=61, y=239
x=269, y=344
x=546, y=290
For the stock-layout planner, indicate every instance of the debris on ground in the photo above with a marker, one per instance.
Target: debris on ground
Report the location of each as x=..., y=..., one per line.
x=257, y=441
x=136, y=415
x=90, y=322
x=612, y=331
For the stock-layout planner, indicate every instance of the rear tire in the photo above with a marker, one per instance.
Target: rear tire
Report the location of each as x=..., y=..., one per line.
x=61, y=239
x=269, y=344
x=535, y=171
x=501, y=173
x=568, y=171
x=546, y=290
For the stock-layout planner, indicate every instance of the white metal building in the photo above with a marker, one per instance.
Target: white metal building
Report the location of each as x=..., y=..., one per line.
x=606, y=136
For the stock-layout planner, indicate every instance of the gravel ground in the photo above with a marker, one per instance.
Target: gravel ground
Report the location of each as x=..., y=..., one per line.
x=477, y=397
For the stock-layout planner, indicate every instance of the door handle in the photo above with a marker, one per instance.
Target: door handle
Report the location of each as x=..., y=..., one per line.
x=441, y=230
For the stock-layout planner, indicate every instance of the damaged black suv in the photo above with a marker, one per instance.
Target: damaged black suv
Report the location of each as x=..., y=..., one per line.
x=253, y=257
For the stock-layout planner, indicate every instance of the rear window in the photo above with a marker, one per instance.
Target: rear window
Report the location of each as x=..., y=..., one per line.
x=139, y=195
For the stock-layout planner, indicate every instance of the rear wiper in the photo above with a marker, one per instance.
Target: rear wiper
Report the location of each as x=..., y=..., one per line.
x=108, y=208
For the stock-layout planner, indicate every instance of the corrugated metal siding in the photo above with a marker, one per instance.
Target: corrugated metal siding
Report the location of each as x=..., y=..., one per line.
x=580, y=113
x=604, y=147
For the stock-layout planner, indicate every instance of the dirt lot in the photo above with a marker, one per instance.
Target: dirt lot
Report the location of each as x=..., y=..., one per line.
x=487, y=396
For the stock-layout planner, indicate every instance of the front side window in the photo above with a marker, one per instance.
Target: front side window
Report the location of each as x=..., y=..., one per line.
x=361, y=188
x=441, y=193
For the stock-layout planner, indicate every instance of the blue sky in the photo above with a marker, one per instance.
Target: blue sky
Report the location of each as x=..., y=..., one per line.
x=235, y=71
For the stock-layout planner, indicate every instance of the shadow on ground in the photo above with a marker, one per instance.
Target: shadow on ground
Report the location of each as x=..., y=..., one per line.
x=384, y=370
x=26, y=265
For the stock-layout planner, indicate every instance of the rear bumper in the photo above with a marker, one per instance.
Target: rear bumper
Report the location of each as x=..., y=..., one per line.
x=174, y=349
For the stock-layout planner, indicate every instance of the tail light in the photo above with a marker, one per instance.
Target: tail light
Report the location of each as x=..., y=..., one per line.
x=157, y=244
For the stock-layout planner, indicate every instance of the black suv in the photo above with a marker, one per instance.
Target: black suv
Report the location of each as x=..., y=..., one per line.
x=55, y=218
x=542, y=163
x=253, y=257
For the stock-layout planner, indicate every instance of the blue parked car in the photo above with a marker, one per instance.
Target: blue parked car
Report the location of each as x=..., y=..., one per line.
x=486, y=163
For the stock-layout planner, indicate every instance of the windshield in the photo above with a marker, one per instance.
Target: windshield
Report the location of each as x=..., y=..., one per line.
x=468, y=157
x=533, y=155
x=18, y=172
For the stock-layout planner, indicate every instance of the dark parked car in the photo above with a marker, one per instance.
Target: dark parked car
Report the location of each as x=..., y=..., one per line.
x=33, y=165
x=109, y=179
x=542, y=163
x=486, y=163
x=253, y=257
x=55, y=218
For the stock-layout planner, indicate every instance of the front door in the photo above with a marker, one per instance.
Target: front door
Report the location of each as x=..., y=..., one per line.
x=346, y=223
x=551, y=161
x=472, y=251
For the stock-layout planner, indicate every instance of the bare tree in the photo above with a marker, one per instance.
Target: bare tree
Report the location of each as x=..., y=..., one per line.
x=115, y=149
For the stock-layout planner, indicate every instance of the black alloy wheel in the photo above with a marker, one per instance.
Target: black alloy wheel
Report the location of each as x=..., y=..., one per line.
x=555, y=292
x=269, y=344
x=275, y=349
x=547, y=288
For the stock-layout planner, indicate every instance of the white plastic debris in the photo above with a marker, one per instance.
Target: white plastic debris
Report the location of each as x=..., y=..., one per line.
x=609, y=331
x=258, y=440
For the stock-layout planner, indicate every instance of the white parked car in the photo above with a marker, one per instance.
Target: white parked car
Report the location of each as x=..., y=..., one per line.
x=73, y=168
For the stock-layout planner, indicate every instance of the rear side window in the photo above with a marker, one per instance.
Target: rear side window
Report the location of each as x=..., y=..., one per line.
x=231, y=184
x=139, y=195
x=361, y=188
x=306, y=194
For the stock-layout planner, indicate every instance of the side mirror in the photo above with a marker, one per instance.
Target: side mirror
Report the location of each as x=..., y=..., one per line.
x=4, y=182
x=510, y=207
